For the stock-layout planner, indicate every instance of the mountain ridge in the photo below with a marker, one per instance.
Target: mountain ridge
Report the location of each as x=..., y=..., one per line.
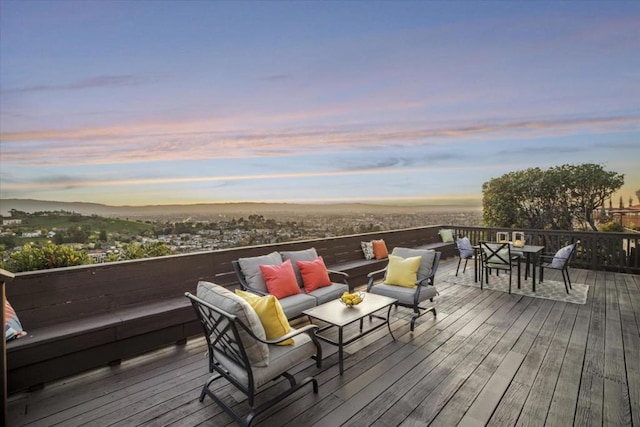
x=236, y=208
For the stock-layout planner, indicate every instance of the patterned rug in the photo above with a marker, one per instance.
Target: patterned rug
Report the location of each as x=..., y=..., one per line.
x=549, y=289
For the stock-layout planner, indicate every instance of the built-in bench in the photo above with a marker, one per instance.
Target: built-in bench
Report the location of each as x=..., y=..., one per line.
x=82, y=317
x=79, y=318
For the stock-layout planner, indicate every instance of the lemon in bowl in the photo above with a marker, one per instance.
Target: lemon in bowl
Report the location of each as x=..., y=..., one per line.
x=351, y=299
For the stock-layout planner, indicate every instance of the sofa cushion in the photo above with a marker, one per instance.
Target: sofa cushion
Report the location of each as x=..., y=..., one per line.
x=283, y=358
x=329, y=293
x=428, y=255
x=251, y=269
x=404, y=295
x=295, y=256
x=224, y=299
x=560, y=258
x=402, y=271
x=367, y=250
x=465, y=247
x=271, y=316
x=380, y=249
x=314, y=274
x=446, y=235
x=294, y=305
x=280, y=279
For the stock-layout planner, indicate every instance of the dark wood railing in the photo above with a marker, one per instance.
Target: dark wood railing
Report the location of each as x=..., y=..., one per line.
x=87, y=316
x=596, y=251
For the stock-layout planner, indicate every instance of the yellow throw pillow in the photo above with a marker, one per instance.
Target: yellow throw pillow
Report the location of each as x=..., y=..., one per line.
x=271, y=315
x=402, y=271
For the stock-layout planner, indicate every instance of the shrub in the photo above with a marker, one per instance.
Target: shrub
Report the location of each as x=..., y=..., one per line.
x=32, y=257
x=611, y=227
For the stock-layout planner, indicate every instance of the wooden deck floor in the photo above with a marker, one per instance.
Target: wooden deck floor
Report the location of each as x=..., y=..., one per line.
x=488, y=358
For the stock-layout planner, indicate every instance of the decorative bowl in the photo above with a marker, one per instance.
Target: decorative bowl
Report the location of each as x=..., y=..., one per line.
x=353, y=299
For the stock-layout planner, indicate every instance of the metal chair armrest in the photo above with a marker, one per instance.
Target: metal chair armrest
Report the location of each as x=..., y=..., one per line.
x=372, y=276
x=345, y=276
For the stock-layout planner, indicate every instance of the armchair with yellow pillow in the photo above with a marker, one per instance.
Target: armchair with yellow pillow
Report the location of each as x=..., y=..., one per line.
x=250, y=344
x=409, y=278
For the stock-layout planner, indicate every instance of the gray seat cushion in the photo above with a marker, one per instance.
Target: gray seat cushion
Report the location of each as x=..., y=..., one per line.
x=404, y=295
x=251, y=269
x=281, y=359
x=294, y=305
x=329, y=293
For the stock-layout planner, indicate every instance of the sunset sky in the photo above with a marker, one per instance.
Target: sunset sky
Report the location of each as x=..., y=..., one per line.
x=155, y=102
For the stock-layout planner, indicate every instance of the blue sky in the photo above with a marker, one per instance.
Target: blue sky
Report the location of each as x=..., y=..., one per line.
x=154, y=102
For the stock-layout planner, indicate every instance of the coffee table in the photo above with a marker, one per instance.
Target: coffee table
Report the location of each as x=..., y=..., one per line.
x=338, y=315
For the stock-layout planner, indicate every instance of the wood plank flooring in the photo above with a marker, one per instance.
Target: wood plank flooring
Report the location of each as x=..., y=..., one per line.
x=488, y=358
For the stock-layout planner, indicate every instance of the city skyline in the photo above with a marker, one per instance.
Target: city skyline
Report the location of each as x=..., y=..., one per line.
x=138, y=103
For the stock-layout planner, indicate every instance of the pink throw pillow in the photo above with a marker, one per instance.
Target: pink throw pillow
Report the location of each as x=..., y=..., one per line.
x=314, y=274
x=280, y=279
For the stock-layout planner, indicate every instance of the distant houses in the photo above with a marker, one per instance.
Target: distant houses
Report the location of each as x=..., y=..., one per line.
x=11, y=221
x=628, y=217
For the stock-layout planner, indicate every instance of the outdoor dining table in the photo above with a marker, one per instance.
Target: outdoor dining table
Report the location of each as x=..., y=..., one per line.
x=532, y=252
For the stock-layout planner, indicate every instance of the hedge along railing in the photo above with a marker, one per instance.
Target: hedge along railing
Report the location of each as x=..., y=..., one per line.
x=596, y=251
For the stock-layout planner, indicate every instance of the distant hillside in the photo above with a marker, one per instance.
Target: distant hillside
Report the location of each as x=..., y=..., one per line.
x=206, y=210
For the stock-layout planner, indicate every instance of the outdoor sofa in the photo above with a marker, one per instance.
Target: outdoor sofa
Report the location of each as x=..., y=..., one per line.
x=252, y=279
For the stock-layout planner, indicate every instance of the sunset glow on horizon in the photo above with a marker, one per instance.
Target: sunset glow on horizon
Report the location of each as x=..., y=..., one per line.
x=136, y=103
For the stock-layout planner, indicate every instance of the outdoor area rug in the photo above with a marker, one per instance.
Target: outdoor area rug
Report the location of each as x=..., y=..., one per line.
x=549, y=289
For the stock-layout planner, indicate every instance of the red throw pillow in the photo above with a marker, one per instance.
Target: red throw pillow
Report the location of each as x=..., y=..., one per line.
x=314, y=274
x=280, y=279
x=380, y=249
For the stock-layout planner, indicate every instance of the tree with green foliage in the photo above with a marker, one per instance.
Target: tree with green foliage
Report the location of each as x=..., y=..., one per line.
x=552, y=199
x=8, y=241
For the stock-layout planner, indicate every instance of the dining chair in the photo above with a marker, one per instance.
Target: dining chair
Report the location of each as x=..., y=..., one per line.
x=498, y=256
x=465, y=252
x=559, y=261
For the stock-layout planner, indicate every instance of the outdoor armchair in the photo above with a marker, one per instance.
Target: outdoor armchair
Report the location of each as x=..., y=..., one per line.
x=239, y=352
x=414, y=294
